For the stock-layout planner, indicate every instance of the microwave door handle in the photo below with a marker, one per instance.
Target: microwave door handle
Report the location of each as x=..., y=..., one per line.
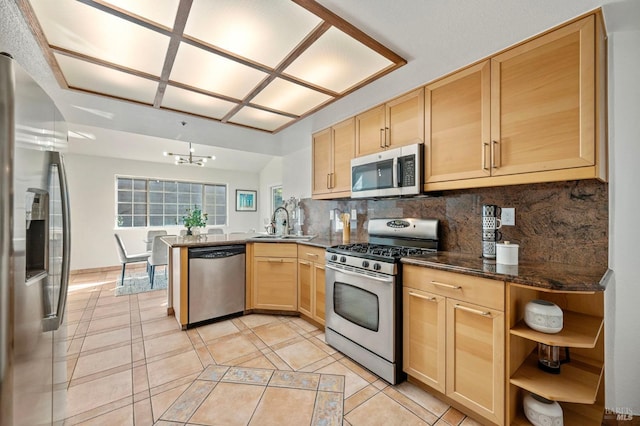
x=398, y=173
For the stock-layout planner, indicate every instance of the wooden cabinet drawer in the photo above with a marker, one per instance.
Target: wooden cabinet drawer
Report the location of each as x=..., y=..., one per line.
x=310, y=253
x=467, y=288
x=275, y=250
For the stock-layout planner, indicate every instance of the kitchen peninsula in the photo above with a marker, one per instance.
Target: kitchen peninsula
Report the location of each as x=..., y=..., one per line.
x=179, y=273
x=178, y=267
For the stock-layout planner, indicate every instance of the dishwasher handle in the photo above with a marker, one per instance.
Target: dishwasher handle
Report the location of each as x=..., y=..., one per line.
x=216, y=252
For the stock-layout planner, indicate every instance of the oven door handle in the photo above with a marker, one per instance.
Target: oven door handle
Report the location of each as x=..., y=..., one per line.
x=384, y=280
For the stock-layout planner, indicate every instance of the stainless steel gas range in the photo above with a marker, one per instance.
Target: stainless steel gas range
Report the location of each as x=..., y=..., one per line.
x=364, y=292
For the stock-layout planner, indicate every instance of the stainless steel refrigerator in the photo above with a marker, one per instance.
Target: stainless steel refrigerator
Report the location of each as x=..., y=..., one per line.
x=34, y=252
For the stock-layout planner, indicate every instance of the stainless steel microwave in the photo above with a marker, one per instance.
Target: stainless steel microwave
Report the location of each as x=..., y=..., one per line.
x=394, y=172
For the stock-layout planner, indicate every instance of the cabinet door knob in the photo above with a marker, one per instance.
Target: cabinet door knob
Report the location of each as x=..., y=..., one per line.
x=485, y=145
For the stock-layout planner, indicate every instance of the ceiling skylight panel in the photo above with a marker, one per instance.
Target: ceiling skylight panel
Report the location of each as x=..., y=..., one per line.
x=337, y=62
x=285, y=96
x=162, y=12
x=263, y=31
x=84, y=29
x=198, y=68
x=195, y=103
x=98, y=79
x=259, y=119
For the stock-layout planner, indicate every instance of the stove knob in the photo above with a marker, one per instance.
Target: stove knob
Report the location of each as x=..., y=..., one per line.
x=377, y=266
x=365, y=264
x=334, y=257
x=343, y=259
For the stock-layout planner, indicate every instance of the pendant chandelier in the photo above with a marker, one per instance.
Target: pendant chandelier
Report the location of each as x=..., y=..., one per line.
x=190, y=158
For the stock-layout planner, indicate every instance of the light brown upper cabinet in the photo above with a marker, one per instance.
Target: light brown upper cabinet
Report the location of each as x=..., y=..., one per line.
x=458, y=124
x=543, y=102
x=397, y=123
x=332, y=151
x=534, y=113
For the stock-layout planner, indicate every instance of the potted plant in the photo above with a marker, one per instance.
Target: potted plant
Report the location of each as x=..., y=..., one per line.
x=194, y=218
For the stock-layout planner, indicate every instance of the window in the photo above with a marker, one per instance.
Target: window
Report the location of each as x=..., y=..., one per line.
x=132, y=202
x=153, y=202
x=276, y=197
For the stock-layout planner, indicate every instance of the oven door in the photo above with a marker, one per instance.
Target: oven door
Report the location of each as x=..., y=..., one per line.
x=361, y=308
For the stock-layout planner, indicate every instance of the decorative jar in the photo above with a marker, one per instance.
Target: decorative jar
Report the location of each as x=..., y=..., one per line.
x=541, y=411
x=543, y=316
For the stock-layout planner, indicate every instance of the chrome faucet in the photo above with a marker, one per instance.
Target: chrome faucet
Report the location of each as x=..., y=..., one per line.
x=285, y=224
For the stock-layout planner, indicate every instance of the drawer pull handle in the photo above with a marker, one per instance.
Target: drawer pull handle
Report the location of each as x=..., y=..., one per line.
x=311, y=254
x=304, y=262
x=452, y=287
x=276, y=260
x=419, y=296
x=473, y=311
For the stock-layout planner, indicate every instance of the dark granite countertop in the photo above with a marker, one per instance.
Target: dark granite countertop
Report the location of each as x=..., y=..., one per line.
x=555, y=276
x=207, y=240
x=329, y=240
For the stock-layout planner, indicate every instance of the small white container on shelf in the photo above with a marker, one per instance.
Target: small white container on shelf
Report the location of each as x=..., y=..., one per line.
x=543, y=316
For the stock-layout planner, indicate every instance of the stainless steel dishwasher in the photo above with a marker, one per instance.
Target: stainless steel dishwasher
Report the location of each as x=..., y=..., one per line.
x=216, y=282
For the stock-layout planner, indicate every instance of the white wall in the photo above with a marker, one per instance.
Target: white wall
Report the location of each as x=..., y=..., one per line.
x=622, y=314
x=296, y=171
x=92, y=197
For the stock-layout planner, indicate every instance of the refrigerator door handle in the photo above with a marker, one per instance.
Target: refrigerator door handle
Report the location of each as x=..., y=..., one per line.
x=53, y=322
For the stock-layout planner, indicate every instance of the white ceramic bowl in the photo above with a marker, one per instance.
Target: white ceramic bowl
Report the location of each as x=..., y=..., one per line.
x=542, y=412
x=543, y=316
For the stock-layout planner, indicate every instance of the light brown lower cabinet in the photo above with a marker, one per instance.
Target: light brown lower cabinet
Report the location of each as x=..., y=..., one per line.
x=311, y=283
x=453, y=336
x=579, y=388
x=274, y=276
x=475, y=358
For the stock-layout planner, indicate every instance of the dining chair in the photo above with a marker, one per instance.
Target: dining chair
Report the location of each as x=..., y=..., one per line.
x=151, y=234
x=159, y=256
x=128, y=258
x=215, y=231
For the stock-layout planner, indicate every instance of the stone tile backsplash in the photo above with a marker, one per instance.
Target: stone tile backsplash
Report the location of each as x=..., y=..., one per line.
x=564, y=222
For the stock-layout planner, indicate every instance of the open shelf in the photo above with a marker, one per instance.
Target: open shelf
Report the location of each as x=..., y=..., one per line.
x=578, y=331
x=570, y=418
x=577, y=382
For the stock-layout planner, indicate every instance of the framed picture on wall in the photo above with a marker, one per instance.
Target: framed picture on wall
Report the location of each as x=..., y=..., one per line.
x=246, y=200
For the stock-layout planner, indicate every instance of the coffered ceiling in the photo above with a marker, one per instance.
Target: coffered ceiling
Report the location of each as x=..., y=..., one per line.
x=260, y=64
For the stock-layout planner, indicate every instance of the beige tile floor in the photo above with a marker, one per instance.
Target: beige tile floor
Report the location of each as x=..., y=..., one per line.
x=128, y=363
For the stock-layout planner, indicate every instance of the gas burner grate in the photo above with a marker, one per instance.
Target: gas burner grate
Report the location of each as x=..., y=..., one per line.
x=380, y=250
